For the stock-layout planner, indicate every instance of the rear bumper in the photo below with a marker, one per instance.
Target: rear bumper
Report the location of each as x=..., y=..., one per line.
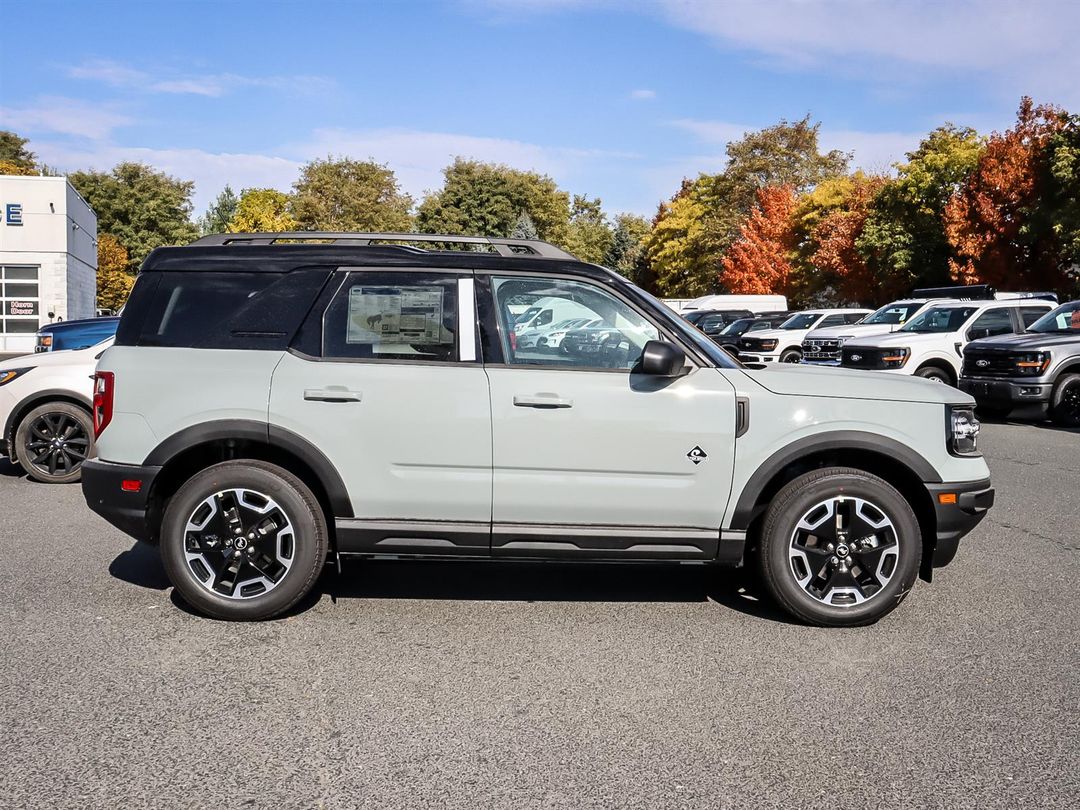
x=989, y=391
x=957, y=515
x=102, y=486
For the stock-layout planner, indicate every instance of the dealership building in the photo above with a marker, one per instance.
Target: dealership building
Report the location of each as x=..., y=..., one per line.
x=48, y=257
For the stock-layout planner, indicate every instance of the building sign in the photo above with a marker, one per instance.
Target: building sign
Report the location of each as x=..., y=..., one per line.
x=20, y=307
x=13, y=214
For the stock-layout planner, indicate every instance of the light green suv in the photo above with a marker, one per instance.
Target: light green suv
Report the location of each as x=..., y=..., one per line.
x=272, y=403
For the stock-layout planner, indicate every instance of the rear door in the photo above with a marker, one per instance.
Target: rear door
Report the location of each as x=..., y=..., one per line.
x=385, y=381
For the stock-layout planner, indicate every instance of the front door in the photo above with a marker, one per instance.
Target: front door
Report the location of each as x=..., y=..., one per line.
x=398, y=402
x=591, y=458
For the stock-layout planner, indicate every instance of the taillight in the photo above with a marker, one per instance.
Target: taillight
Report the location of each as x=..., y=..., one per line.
x=103, y=400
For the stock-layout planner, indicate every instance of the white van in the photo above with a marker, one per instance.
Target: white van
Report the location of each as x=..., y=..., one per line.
x=758, y=304
x=547, y=311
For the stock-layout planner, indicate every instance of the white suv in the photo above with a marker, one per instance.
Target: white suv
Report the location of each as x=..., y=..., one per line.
x=45, y=412
x=784, y=344
x=931, y=345
x=270, y=406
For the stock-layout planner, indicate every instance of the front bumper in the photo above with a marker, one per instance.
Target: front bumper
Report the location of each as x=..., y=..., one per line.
x=748, y=357
x=987, y=391
x=105, y=493
x=958, y=508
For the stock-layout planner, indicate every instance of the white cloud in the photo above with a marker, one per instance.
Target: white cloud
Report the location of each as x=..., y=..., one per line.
x=65, y=116
x=213, y=85
x=643, y=95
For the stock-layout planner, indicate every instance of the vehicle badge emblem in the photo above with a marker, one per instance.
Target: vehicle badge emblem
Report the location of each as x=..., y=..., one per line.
x=697, y=455
x=982, y=363
x=856, y=358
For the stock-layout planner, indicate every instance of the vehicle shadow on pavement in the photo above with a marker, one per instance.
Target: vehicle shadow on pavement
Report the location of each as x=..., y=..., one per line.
x=10, y=469
x=497, y=582
x=548, y=582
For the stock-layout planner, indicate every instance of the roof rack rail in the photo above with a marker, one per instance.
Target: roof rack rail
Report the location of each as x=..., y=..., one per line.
x=968, y=292
x=504, y=247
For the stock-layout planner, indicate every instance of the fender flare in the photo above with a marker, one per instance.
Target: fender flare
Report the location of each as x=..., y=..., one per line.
x=272, y=436
x=831, y=440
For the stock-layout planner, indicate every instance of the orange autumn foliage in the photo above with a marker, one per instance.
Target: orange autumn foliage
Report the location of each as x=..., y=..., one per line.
x=991, y=221
x=837, y=255
x=758, y=262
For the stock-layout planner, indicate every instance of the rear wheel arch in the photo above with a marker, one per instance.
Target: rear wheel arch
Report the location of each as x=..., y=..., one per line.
x=34, y=400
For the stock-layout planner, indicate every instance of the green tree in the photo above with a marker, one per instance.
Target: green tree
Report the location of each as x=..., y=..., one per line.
x=142, y=207
x=626, y=253
x=350, y=195
x=1063, y=197
x=220, y=213
x=488, y=199
x=524, y=228
x=785, y=154
x=264, y=210
x=903, y=238
x=15, y=158
x=589, y=235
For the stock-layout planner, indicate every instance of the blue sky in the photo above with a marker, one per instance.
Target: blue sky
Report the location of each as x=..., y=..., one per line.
x=614, y=99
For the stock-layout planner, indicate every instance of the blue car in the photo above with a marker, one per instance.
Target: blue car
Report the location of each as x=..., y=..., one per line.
x=78, y=334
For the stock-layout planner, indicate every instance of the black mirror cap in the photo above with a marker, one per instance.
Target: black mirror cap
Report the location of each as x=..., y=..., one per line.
x=662, y=359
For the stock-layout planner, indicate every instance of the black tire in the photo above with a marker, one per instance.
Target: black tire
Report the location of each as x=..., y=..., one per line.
x=1000, y=412
x=791, y=356
x=52, y=441
x=799, y=499
x=936, y=374
x=308, y=545
x=1065, y=402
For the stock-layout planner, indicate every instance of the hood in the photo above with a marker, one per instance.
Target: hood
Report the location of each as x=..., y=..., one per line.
x=1027, y=340
x=845, y=383
x=900, y=339
x=854, y=330
x=779, y=334
x=66, y=357
x=52, y=327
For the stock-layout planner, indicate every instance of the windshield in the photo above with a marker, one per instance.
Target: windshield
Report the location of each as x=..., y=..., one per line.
x=803, y=320
x=893, y=313
x=689, y=333
x=737, y=327
x=1065, y=320
x=939, y=319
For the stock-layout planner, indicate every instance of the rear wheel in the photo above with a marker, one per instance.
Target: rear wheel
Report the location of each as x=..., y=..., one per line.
x=243, y=540
x=839, y=547
x=1065, y=402
x=935, y=373
x=53, y=440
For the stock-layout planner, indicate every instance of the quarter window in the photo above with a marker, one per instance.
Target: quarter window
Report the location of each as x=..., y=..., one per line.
x=393, y=316
x=611, y=334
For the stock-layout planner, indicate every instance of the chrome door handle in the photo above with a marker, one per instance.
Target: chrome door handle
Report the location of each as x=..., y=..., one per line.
x=543, y=401
x=332, y=394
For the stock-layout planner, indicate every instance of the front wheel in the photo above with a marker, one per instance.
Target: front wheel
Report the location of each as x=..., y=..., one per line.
x=934, y=374
x=53, y=440
x=243, y=540
x=791, y=356
x=839, y=547
x=1065, y=402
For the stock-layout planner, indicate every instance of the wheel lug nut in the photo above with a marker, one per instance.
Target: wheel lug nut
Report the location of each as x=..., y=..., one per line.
x=833, y=560
x=830, y=548
x=236, y=553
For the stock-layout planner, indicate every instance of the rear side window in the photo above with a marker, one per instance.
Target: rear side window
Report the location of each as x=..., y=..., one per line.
x=210, y=310
x=1031, y=314
x=393, y=316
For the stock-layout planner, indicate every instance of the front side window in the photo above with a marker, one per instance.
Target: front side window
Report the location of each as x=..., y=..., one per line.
x=393, y=316
x=611, y=334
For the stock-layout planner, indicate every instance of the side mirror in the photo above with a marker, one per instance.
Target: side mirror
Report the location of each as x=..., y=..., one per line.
x=975, y=334
x=662, y=359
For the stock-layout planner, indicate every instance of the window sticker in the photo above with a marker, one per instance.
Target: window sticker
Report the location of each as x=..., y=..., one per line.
x=381, y=315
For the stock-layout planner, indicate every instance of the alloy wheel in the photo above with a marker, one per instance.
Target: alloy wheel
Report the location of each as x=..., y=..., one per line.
x=56, y=444
x=239, y=544
x=844, y=551
x=1069, y=405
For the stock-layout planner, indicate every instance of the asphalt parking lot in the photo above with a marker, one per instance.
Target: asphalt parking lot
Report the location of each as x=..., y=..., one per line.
x=476, y=685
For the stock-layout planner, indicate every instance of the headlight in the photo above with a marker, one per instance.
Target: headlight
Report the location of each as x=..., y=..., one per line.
x=768, y=345
x=963, y=428
x=895, y=358
x=12, y=374
x=1032, y=364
